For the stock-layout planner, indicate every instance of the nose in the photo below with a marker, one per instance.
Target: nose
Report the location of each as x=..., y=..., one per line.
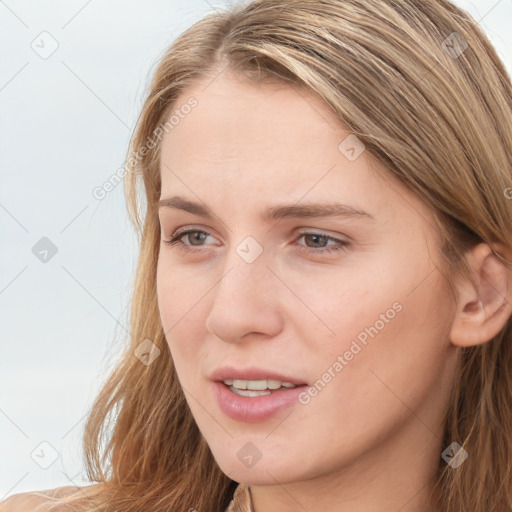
x=246, y=301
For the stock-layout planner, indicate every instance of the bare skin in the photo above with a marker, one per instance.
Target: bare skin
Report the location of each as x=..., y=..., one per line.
x=371, y=439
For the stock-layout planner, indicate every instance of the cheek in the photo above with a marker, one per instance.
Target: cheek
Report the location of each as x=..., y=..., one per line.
x=395, y=359
x=179, y=302
x=333, y=305
x=392, y=319
x=179, y=309
x=166, y=289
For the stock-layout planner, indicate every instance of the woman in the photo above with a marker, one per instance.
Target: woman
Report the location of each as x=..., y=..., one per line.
x=266, y=372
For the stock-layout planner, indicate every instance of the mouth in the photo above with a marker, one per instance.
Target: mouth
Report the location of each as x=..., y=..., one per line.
x=254, y=394
x=240, y=400
x=254, y=388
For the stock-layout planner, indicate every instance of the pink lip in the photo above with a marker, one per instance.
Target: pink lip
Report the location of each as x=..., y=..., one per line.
x=252, y=373
x=253, y=409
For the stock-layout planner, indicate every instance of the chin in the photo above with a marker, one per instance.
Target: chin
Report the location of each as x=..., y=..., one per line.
x=266, y=471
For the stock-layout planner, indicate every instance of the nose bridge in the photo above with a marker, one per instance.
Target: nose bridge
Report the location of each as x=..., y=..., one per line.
x=244, y=298
x=246, y=270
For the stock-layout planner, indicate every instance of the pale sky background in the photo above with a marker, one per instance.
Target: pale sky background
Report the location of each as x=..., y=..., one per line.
x=65, y=124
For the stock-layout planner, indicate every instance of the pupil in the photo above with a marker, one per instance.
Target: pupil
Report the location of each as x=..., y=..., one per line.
x=316, y=238
x=196, y=235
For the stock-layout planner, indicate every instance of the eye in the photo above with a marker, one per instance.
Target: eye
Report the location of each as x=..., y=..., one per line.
x=200, y=235
x=339, y=245
x=176, y=238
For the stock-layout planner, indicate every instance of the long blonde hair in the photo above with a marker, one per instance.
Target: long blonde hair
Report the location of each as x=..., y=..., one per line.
x=438, y=114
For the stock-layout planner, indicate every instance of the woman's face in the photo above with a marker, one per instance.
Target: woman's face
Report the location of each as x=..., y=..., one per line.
x=366, y=325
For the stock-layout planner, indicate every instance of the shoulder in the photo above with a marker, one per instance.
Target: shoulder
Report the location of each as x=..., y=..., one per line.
x=35, y=501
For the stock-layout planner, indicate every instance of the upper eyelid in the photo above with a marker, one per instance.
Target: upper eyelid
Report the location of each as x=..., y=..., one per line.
x=192, y=227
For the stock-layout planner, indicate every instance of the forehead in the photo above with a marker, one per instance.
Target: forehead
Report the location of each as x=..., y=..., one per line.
x=232, y=120
x=269, y=143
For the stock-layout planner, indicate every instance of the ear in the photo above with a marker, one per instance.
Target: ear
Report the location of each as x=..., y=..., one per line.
x=483, y=307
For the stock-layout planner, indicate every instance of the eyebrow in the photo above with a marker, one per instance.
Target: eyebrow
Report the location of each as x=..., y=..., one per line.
x=309, y=210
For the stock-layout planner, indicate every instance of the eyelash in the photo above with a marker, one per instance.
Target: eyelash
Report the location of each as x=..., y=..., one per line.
x=176, y=239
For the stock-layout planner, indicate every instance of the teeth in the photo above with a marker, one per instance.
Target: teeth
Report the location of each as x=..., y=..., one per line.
x=258, y=385
x=273, y=384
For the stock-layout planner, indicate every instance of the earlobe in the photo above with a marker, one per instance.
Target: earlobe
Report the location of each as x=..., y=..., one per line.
x=485, y=305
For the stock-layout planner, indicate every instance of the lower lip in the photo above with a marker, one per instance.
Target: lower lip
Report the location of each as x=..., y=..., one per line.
x=258, y=408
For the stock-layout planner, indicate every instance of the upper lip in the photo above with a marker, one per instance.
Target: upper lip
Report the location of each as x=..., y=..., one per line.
x=252, y=373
